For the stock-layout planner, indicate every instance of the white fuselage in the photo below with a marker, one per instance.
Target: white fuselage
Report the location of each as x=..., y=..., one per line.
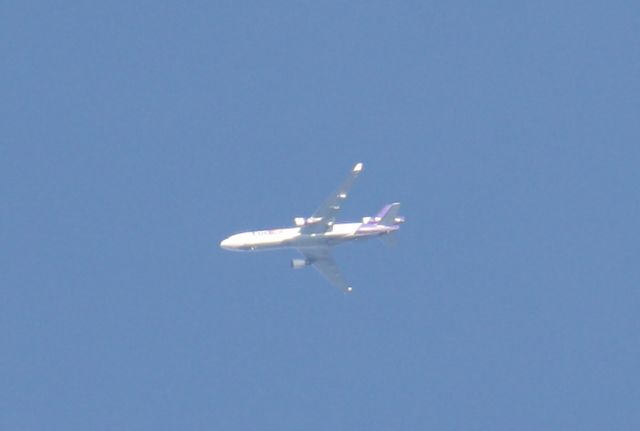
x=291, y=237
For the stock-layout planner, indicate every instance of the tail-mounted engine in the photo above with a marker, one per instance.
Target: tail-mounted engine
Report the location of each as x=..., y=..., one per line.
x=374, y=220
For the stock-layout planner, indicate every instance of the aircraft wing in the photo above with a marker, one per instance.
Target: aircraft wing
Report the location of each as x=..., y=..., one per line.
x=321, y=259
x=323, y=218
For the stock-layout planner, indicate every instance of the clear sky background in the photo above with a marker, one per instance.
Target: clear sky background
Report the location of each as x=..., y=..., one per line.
x=135, y=136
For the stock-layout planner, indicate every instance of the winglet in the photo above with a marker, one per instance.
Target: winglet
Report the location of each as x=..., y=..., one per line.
x=357, y=167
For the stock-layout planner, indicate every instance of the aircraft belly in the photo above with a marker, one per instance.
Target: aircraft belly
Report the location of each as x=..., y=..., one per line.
x=331, y=238
x=321, y=240
x=307, y=241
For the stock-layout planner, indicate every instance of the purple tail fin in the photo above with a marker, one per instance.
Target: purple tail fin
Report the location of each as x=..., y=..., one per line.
x=385, y=209
x=388, y=215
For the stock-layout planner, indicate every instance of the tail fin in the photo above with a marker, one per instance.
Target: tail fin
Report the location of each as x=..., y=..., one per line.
x=387, y=215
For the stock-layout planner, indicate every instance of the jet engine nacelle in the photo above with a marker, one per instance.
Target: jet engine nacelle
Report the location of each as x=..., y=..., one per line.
x=299, y=263
x=301, y=221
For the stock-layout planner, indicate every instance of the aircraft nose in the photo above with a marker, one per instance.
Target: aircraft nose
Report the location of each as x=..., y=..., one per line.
x=231, y=243
x=225, y=243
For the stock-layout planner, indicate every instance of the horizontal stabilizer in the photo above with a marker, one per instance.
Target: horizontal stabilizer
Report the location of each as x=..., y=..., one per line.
x=389, y=239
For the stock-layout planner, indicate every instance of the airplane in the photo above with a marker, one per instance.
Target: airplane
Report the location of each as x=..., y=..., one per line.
x=314, y=236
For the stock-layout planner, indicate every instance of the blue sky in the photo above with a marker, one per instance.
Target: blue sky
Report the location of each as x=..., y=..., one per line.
x=137, y=135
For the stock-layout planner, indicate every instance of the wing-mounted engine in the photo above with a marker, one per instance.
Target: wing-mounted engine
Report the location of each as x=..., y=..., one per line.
x=301, y=221
x=299, y=263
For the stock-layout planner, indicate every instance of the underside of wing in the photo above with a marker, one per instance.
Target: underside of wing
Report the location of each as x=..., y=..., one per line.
x=321, y=259
x=324, y=216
